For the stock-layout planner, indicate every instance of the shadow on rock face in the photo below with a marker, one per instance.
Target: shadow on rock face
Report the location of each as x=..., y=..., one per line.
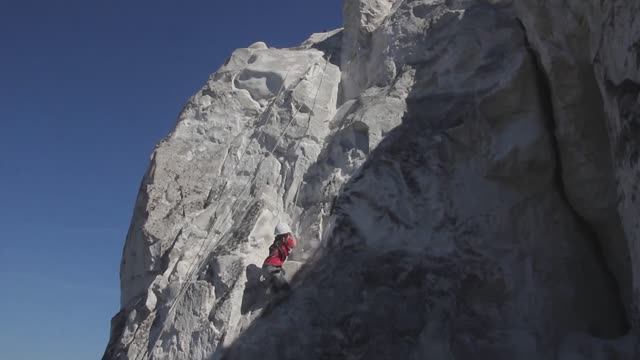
x=480, y=266
x=254, y=296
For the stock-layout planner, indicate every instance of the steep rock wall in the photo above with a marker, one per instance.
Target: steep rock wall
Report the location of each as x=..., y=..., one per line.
x=455, y=239
x=461, y=175
x=590, y=52
x=230, y=169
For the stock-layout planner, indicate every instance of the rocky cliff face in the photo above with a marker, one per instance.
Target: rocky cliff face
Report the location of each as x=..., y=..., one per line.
x=462, y=176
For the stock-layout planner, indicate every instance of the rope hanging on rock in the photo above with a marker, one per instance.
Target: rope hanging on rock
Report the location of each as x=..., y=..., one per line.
x=193, y=269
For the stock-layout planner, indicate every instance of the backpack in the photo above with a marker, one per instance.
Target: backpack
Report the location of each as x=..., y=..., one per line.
x=277, y=243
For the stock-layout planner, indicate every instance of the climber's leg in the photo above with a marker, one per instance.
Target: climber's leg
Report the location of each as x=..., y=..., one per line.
x=275, y=277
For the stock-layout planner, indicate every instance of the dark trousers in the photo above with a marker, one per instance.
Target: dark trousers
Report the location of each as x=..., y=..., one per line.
x=274, y=275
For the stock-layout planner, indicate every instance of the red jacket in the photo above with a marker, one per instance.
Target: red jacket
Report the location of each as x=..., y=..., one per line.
x=280, y=249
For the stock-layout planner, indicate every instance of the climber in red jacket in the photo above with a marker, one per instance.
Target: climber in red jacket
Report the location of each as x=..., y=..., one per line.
x=278, y=253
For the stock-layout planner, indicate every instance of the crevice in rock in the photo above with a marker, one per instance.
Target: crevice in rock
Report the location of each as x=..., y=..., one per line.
x=164, y=259
x=626, y=94
x=595, y=243
x=331, y=47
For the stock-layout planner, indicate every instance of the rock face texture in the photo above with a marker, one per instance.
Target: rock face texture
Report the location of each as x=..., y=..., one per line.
x=204, y=216
x=462, y=177
x=593, y=87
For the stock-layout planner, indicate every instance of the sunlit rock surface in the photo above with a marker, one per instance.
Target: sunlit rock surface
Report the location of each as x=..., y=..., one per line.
x=461, y=175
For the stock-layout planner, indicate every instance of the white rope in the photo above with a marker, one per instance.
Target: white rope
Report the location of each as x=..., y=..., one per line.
x=306, y=132
x=192, y=267
x=275, y=146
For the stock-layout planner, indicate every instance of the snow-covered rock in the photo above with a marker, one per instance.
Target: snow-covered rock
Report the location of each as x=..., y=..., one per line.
x=461, y=175
x=206, y=208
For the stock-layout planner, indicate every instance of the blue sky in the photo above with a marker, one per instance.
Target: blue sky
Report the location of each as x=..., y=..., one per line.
x=87, y=88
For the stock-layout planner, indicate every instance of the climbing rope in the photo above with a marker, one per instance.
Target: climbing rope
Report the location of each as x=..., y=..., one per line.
x=306, y=132
x=193, y=269
x=246, y=186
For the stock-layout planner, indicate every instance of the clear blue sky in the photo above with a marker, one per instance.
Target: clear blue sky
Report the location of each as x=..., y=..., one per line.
x=87, y=88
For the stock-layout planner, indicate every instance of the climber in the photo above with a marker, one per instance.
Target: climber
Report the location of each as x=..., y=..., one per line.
x=282, y=246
